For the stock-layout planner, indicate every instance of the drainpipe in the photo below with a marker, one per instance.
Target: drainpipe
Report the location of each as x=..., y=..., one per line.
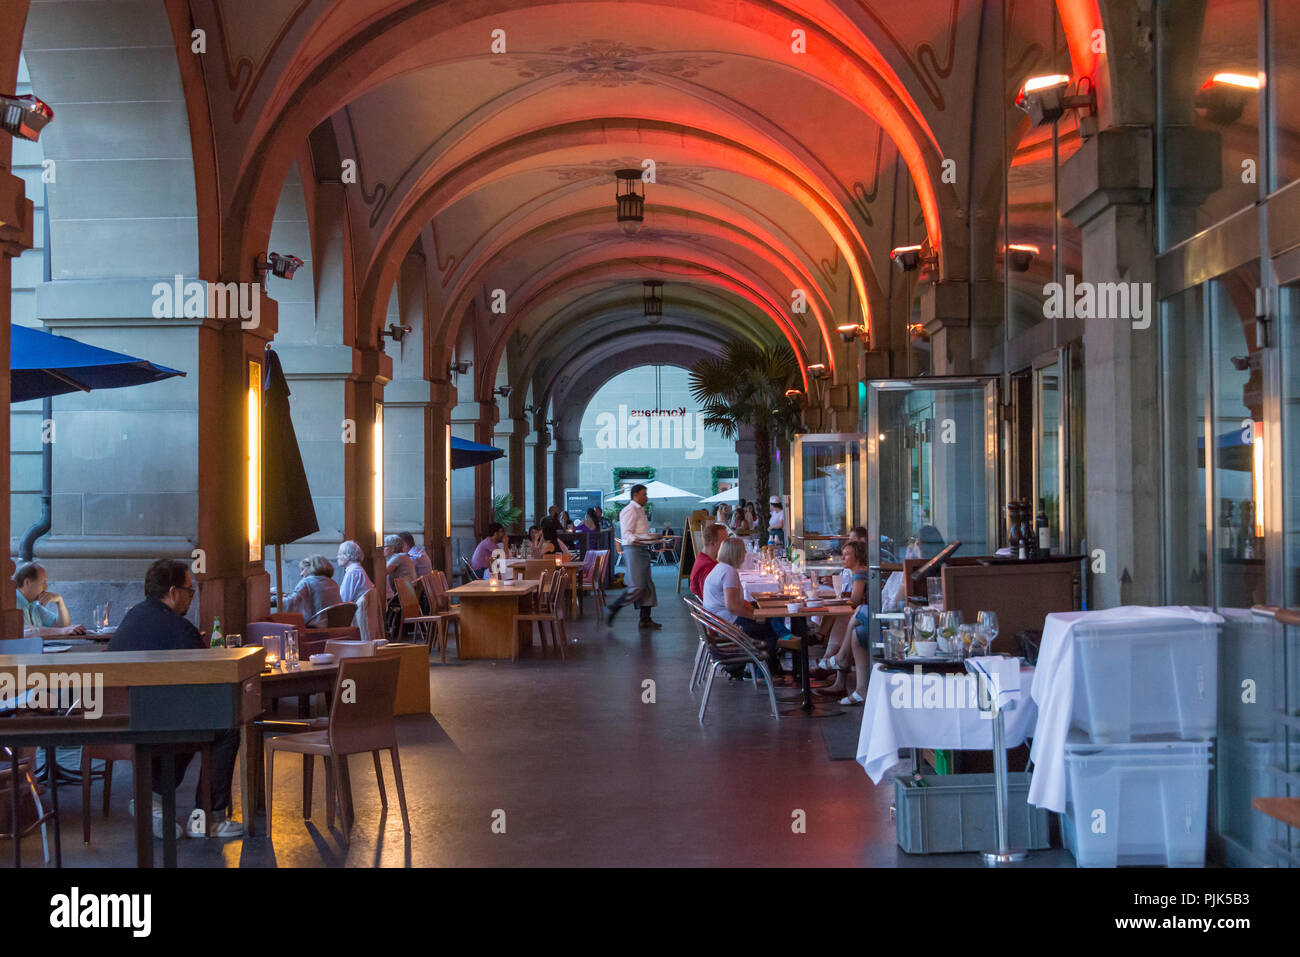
x=42, y=526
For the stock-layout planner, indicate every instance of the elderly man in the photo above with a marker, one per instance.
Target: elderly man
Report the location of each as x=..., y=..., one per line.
x=159, y=624
x=44, y=613
x=635, y=534
x=355, y=581
x=713, y=536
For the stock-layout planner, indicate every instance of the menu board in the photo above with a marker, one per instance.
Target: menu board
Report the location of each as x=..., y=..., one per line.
x=577, y=501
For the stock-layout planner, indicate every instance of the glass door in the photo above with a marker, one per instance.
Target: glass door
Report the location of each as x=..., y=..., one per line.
x=826, y=498
x=932, y=452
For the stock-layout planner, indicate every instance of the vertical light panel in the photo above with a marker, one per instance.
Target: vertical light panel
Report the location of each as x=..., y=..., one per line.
x=254, y=461
x=377, y=467
x=1258, y=435
x=446, y=484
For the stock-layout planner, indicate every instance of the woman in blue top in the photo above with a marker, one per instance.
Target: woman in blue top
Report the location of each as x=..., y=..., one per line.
x=853, y=652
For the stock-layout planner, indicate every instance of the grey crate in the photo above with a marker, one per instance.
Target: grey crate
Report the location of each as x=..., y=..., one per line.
x=955, y=813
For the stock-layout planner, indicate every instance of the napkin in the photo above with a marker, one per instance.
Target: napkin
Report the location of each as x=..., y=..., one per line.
x=1003, y=674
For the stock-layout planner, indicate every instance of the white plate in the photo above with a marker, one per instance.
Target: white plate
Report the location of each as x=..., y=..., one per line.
x=322, y=659
x=55, y=649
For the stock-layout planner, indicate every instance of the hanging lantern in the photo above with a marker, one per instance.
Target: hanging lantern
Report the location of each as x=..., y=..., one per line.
x=653, y=300
x=630, y=195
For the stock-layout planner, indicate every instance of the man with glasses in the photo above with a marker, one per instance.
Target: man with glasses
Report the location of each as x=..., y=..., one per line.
x=159, y=624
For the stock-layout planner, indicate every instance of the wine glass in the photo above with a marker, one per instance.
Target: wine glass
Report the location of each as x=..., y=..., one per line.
x=988, y=622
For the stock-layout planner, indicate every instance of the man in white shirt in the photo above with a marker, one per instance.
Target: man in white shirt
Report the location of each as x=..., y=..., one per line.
x=635, y=535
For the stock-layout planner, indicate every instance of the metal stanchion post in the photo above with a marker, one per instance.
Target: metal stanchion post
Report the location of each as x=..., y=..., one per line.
x=1004, y=854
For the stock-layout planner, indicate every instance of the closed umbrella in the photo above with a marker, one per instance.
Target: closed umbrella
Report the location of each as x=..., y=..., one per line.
x=287, y=510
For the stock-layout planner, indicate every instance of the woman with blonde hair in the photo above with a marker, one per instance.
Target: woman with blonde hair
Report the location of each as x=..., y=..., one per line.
x=316, y=588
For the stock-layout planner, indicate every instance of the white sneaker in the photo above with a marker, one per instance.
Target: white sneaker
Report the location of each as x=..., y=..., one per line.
x=157, y=818
x=228, y=828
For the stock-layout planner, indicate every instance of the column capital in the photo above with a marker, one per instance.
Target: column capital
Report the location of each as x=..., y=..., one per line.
x=16, y=214
x=489, y=413
x=568, y=446
x=1117, y=168
x=441, y=393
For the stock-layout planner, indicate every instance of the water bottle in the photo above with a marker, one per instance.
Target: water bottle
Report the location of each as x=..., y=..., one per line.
x=217, y=640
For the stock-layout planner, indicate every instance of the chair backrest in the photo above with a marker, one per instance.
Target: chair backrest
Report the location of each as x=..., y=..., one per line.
x=334, y=616
x=361, y=717
x=367, y=617
x=406, y=598
x=559, y=588
x=293, y=619
x=434, y=592
x=534, y=568
x=343, y=648
x=468, y=570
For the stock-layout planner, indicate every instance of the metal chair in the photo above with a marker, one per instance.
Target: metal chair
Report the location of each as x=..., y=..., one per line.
x=334, y=616
x=468, y=571
x=722, y=645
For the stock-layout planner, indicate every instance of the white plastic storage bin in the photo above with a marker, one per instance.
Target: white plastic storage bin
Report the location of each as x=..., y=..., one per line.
x=1154, y=676
x=1246, y=771
x=1136, y=804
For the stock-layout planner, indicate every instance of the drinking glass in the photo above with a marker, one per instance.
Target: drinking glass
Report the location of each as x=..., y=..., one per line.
x=234, y=641
x=934, y=591
x=965, y=638
x=925, y=626
x=291, y=648
x=988, y=622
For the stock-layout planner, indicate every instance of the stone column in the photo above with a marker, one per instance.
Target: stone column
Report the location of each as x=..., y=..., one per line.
x=1107, y=191
x=437, y=488
x=541, y=486
x=518, y=469
x=15, y=236
x=484, y=432
x=745, y=464
x=567, y=453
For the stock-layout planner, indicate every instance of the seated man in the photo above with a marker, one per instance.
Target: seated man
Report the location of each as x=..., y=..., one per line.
x=481, y=561
x=397, y=562
x=419, y=557
x=158, y=624
x=44, y=613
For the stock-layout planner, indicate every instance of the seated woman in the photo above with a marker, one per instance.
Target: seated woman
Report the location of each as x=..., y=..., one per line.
x=355, y=581
x=551, y=542
x=534, y=547
x=316, y=589
x=740, y=522
x=839, y=628
x=724, y=596
x=854, y=652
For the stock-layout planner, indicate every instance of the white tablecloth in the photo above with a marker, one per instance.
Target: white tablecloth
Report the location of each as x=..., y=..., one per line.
x=1054, y=691
x=894, y=718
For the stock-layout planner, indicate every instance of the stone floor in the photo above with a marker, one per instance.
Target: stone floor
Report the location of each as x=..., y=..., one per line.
x=584, y=771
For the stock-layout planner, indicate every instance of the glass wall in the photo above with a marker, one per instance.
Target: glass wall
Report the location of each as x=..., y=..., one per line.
x=1187, y=568
x=1289, y=331
x=1210, y=78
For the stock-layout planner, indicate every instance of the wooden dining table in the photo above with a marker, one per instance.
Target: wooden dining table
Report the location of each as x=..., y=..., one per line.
x=487, y=614
x=777, y=608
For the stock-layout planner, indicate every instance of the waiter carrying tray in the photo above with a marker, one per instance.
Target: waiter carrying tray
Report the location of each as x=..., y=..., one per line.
x=635, y=534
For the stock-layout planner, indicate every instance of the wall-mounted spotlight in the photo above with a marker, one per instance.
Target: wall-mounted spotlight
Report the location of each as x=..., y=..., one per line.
x=818, y=371
x=1046, y=98
x=793, y=393
x=532, y=409
x=397, y=333
x=629, y=195
x=851, y=331
x=282, y=267
x=24, y=116
x=1020, y=256
x=503, y=391
x=1224, y=96
x=917, y=331
x=459, y=368
x=652, y=300
x=910, y=258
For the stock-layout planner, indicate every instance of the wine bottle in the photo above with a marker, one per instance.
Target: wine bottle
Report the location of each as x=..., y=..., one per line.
x=1044, y=532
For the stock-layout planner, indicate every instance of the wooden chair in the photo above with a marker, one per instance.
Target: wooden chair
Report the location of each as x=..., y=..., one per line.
x=422, y=625
x=549, y=616
x=591, y=580
x=358, y=722
x=441, y=610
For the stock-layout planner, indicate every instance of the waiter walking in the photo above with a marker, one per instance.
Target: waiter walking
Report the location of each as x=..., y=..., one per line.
x=635, y=533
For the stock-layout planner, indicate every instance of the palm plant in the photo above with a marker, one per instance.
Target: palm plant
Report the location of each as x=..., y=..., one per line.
x=746, y=385
x=505, y=513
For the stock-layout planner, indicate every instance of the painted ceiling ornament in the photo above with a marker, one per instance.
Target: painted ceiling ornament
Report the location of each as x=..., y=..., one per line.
x=608, y=63
x=664, y=173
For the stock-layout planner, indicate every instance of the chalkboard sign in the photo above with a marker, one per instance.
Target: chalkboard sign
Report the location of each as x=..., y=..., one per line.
x=577, y=501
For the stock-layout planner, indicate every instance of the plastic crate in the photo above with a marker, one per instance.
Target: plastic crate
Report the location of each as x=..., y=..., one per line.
x=955, y=813
x=1136, y=804
x=1155, y=676
x=1245, y=773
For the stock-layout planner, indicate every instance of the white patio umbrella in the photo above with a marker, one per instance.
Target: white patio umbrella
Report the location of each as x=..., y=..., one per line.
x=731, y=496
x=655, y=490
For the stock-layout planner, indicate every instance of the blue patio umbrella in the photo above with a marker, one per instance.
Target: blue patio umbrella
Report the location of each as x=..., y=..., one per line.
x=465, y=454
x=41, y=364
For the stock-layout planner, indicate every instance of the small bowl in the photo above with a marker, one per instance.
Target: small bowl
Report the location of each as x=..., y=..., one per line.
x=927, y=649
x=815, y=603
x=325, y=658
x=794, y=607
